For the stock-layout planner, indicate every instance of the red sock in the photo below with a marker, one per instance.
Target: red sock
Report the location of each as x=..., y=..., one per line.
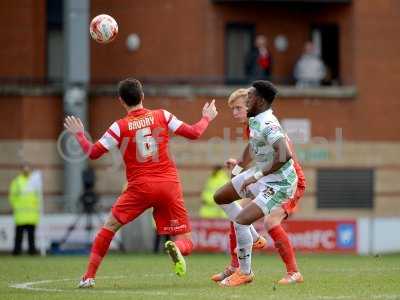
x=232, y=245
x=99, y=249
x=185, y=246
x=285, y=248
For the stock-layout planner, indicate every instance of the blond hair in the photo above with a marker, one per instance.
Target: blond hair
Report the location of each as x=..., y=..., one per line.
x=237, y=94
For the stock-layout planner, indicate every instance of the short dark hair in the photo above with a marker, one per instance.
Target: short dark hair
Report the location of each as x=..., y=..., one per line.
x=265, y=89
x=130, y=90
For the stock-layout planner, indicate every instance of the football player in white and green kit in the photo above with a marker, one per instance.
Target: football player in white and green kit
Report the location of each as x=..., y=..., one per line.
x=270, y=182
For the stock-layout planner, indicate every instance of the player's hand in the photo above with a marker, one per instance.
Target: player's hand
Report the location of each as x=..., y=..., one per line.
x=73, y=124
x=247, y=182
x=210, y=111
x=231, y=163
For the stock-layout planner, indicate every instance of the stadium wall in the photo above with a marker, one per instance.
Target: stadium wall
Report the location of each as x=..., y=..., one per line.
x=195, y=161
x=198, y=46
x=351, y=235
x=31, y=118
x=198, y=34
x=23, y=40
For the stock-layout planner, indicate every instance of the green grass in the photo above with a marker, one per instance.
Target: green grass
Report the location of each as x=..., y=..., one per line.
x=150, y=277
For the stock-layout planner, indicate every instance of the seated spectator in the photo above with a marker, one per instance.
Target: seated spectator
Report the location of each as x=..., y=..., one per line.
x=310, y=69
x=259, y=61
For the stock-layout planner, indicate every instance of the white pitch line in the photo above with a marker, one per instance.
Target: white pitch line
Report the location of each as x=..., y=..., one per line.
x=379, y=296
x=31, y=286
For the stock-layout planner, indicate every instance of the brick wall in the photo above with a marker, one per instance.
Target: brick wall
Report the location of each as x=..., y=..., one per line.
x=22, y=38
x=195, y=161
x=193, y=45
x=360, y=118
x=30, y=117
x=186, y=38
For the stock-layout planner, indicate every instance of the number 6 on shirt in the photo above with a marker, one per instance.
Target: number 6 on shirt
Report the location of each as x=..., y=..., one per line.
x=145, y=142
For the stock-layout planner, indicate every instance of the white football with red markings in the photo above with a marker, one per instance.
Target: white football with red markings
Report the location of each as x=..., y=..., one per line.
x=103, y=29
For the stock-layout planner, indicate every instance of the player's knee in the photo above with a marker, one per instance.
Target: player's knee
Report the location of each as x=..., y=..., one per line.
x=112, y=224
x=218, y=197
x=225, y=195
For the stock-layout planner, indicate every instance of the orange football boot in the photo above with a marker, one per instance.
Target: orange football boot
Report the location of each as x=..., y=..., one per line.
x=292, y=278
x=229, y=270
x=236, y=279
x=260, y=243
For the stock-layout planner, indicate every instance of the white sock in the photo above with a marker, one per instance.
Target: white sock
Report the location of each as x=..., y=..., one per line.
x=254, y=233
x=244, y=247
x=231, y=210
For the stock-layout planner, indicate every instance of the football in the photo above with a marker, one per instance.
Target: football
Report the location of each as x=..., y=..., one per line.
x=103, y=29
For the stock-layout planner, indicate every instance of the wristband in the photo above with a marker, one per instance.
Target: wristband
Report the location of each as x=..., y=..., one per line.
x=257, y=175
x=236, y=170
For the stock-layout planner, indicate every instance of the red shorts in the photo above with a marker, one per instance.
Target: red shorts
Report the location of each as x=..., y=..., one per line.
x=291, y=205
x=165, y=198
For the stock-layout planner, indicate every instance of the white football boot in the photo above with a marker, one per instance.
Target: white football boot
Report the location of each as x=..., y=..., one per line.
x=86, y=283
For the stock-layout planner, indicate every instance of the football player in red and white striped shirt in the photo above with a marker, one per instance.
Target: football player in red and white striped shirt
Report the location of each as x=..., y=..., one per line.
x=153, y=182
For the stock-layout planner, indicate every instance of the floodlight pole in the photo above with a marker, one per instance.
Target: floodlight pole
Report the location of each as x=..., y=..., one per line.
x=76, y=80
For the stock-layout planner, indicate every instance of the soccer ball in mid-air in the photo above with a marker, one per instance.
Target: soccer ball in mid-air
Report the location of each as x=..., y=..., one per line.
x=103, y=29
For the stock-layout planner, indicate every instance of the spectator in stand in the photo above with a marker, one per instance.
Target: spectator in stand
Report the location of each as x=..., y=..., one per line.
x=259, y=60
x=310, y=69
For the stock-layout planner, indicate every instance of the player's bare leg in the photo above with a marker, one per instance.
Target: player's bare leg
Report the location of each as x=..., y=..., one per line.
x=99, y=250
x=178, y=248
x=283, y=245
x=246, y=217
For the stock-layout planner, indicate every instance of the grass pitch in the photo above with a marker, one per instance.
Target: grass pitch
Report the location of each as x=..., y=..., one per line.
x=150, y=277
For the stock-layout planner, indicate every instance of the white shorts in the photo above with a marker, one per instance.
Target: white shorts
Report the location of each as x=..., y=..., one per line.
x=270, y=191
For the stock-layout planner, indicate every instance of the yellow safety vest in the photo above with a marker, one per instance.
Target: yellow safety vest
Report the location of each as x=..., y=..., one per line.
x=209, y=208
x=25, y=204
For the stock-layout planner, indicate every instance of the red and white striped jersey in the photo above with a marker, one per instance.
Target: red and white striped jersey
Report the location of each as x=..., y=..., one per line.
x=142, y=138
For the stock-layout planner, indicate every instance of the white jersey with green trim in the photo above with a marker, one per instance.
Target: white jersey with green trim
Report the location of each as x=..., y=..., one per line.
x=265, y=130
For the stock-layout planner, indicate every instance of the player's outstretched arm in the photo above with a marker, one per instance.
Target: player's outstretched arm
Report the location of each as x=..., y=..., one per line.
x=75, y=126
x=196, y=130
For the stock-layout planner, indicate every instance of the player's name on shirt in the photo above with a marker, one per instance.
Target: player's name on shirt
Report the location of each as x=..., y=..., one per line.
x=141, y=123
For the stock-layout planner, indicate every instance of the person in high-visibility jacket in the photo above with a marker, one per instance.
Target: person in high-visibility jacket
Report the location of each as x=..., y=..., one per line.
x=25, y=204
x=209, y=208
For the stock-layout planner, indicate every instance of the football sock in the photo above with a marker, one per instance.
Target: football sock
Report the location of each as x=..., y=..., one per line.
x=232, y=247
x=185, y=246
x=99, y=250
x=231, y=210
x=244, y=247
x=254, y=233
x=285, y=248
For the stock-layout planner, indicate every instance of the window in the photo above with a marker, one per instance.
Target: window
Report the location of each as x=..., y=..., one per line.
x=326, y=39
x=345, y=188
x=238, y=43
x=55, y=40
